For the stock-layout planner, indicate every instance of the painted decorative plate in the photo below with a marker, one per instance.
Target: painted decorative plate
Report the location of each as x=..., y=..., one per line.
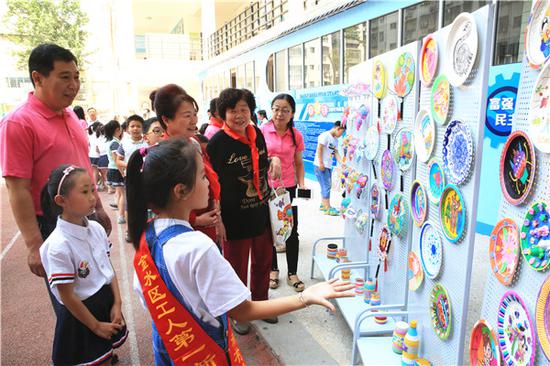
x=440, y=99
x=517, y=167
x=440, y=311
x=535, y=237
x=350, y=213
x=461, y=49
x=398, y=214
x=383, y=243
x=428, y=60
x=424, y=135
x=372, y=139
x=387, y=169
x=537, y=35
x=539, y=112
x=452, y=213
x=374, y=200
x=483, y=345
x=379, y=79
x=458, y=152
x=504, y=250
x=542, y=317
x=414, y=273
x=436, y=180
x=390, y=113
x=419, y=203
x=361, y=221
x=403, y=149
x=516, y=334
x=431, y=250
x=403, y=74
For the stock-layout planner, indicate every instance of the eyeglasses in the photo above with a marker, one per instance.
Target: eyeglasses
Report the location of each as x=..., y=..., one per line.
x=280, y=110
x=157, y=131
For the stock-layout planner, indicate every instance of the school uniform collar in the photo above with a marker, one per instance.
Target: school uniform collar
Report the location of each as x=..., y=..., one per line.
x=270, y=127
x=77, y=231
x=41, y=108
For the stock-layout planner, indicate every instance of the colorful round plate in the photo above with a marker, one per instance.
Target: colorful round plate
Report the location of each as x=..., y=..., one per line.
x=424, y=135
x=414, y=273
x=383, y=242
x=390, y=113
x=516, y=334
x=379, y=79
x=461, y=49
x=431, y=250
x=436, y=180
x=403, y=149
x=419, y=203
x=537, y=35
x=440, y=99
x=483, y=345
x=452, y=213
x=374, y=200
x=517, y=167
x=403, y=74
x=387, y=169
x=542, y=317
x=535, y=237
x=440, y=311
x=428, y=60
x=398, y=214
x=372, y=139
x=539, y=112
x=504, y=250
x=361, y=221
x=458, y=152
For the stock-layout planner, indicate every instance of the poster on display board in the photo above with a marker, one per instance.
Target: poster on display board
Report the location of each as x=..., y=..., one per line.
x=502, y=91
x=316, y=111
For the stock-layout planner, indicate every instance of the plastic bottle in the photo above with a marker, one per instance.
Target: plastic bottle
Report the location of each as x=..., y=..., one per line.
x=410, y=346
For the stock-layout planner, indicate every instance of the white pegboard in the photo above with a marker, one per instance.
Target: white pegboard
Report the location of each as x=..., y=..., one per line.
x=467, y=105
x=527, y=282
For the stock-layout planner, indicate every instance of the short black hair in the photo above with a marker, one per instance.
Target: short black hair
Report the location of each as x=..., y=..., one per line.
x=230, y=97
x=42, y=58
x=79, y=111
x=339, y=125
x=201, y=138
x=148, y=123
x=262, y=113
x=110, y=128
x=135, y=117
x=213, y=109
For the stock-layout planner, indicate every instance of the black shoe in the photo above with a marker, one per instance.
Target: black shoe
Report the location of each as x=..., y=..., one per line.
x=113, y=205
x=114, y=359
x=272, y=320
x=128, y=240
x=241, y=328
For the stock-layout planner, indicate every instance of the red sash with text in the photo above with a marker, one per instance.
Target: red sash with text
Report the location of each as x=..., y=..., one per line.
x=185, y=340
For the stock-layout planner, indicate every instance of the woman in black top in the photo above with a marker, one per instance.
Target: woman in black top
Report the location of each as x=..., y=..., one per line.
x=238, y=154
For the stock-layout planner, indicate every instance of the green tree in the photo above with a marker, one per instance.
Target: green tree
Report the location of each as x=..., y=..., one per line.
x=47, y=21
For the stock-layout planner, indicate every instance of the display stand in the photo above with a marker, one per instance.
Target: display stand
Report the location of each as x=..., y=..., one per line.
x=527, y=282
x=467, y=105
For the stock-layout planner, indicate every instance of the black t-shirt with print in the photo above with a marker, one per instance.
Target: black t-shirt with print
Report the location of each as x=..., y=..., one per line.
x=244, y=214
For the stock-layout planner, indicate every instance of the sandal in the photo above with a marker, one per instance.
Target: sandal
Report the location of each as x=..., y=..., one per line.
x=273, y=279
x=295, y=282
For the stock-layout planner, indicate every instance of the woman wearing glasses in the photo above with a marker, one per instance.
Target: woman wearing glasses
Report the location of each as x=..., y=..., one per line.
x=284, y=141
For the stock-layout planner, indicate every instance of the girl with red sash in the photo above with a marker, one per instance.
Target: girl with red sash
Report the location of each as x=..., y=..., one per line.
x=188, y=287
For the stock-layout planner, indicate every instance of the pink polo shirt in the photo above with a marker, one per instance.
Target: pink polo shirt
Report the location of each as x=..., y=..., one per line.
x=283, y=147
x=34, y=141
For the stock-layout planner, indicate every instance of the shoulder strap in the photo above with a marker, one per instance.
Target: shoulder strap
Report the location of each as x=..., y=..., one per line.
x=172, y=231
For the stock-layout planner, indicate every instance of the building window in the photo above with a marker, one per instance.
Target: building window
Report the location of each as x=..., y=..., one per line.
x=331, y=58
x=281, y=76
x=312, y=62
x=249, y=76
x=355, y=47
x=240, y=77
x=269, y=73
x=511, y=21
x=18, y=82
x=383, y=34
x=451, y=9
x=295, y=67
x=419, y=20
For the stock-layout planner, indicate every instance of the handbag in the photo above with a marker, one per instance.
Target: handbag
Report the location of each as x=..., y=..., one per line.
x=281, y=216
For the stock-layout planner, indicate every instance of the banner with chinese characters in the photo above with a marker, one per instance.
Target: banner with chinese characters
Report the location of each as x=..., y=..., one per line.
x=501, y=102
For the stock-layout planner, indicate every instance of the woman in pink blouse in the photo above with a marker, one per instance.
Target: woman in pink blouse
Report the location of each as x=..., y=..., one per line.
x=286, y=142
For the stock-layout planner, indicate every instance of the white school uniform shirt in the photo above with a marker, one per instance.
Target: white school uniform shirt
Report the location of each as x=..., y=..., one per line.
x=79, y=255
x=205, y=280
x=330, y=145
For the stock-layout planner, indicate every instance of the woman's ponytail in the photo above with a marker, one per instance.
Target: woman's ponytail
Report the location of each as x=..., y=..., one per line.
x=136, y=198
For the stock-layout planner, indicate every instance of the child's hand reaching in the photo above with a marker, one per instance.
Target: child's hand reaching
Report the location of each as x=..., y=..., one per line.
x=106, y=330
x=332, y=289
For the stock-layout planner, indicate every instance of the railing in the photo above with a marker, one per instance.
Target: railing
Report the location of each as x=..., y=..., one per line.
x=256, y=18
x=169, y=46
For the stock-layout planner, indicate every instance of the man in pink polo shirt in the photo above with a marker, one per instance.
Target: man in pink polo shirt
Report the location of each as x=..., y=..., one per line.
x=37, y=137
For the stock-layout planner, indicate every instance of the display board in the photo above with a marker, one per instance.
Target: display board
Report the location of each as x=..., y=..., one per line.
x=458, y=148
x=526, y=281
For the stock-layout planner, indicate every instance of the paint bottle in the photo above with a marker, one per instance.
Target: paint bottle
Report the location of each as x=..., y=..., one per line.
x=410, y=346
x=332, y=249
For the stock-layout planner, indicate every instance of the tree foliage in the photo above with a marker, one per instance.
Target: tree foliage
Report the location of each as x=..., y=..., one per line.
x=47, y=21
